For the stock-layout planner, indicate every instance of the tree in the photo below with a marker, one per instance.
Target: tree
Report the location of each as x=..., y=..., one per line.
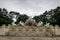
x=36, y=18
x=12, y=13
x=54, y=16
x=22, y=18
x=5, y=12
x=40, y=18
x=57, y=15
x=4, y=19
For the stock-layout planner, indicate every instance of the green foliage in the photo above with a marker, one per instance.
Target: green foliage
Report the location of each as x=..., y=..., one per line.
x=12, y=13
x=36, y=18
x=40, y=18
x=22, y=18
x=52, y=17
x=4, y=19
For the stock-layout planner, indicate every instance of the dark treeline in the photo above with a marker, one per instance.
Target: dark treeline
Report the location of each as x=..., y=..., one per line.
x=7, y=17
x=52, y=17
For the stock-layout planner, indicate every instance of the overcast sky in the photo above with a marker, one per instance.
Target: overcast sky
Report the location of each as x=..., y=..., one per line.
x=29, y=7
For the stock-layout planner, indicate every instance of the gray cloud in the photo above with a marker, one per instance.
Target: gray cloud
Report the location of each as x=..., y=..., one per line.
x=29, y=7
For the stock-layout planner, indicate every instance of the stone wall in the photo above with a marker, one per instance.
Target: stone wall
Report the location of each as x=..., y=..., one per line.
x=29, y=31
x=29, y=38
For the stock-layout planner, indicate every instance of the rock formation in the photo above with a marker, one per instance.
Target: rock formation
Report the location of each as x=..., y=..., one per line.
x=30, y=22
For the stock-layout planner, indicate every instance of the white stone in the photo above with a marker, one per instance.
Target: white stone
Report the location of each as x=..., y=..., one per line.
x=21, y=23
x=47, y=24
x=40, y=24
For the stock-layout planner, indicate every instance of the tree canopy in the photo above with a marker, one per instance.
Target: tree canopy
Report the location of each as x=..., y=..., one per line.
x=22, y=18
x=4, y=19
x=52, y=17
